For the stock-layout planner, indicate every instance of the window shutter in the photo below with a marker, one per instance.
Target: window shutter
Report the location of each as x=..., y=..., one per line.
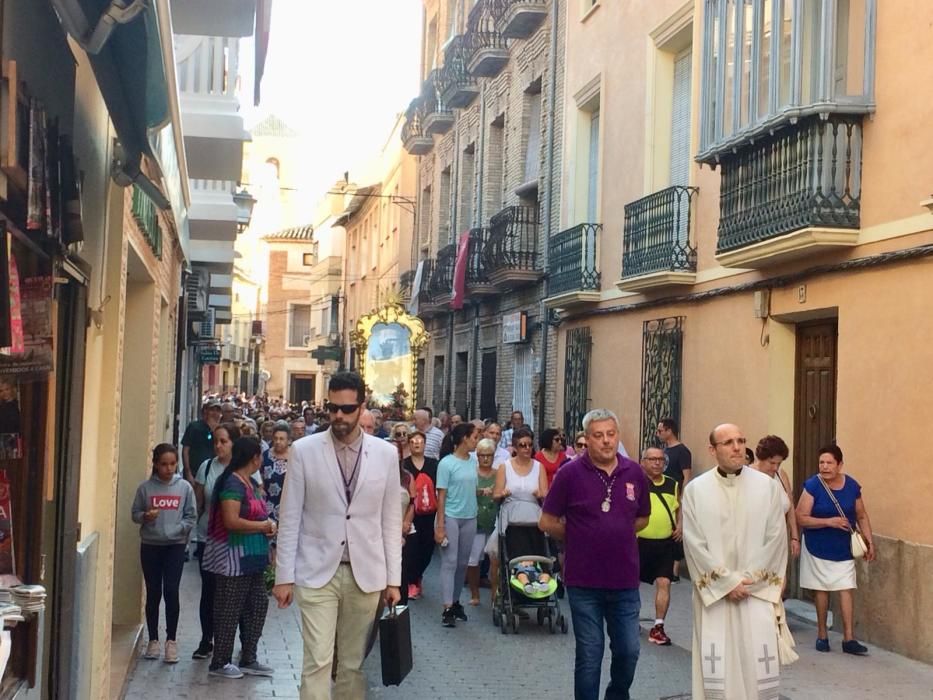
x=592, y=191
x=523, y=383
x=680, y=121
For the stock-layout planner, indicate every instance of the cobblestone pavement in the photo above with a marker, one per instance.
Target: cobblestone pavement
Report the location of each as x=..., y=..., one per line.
x=476, y=661
x=473, y=660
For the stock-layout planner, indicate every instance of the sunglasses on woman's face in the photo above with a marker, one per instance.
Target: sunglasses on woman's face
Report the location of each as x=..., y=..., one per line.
x=524, y=445
x=581, y=445
x=400, y=436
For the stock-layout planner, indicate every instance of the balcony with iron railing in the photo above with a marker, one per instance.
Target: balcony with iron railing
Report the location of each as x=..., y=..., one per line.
x=456, y=87
x=442, y=281
x=518, y=19
x=427, y=306
x=489, y=50
x=405, y=282
x=477, y=277
x=208, y=77
x=414, y=139
x=573, y=274
x=792, y=193
x=656, y=247
x=437, y=117
x=511, y=254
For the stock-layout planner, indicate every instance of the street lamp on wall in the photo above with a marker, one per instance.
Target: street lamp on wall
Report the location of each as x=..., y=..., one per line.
x=244, y=208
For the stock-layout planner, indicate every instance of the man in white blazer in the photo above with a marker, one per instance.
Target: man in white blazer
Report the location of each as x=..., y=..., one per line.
x=340, y=541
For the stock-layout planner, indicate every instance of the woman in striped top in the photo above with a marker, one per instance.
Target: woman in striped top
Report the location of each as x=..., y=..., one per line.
x=237, y=552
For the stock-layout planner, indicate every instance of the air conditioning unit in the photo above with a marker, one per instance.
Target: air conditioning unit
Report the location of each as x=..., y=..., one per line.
x=196, y=296
x=207, y=325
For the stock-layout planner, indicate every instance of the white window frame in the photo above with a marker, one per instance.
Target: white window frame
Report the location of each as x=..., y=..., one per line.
x=288, y=324
x=714, y=140
x=587, y=101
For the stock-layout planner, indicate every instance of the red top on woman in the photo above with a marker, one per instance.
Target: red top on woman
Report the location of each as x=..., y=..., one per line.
x=550, y=468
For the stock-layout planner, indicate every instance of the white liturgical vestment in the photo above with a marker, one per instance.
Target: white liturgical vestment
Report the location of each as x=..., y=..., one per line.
x=734, y=529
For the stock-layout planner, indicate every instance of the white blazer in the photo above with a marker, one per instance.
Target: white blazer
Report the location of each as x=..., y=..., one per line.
x=315, y=522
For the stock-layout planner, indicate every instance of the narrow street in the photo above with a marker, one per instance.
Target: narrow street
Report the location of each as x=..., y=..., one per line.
x=476, y=661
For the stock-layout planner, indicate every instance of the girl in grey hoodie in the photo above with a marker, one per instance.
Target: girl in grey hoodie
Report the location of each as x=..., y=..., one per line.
x=166, y=510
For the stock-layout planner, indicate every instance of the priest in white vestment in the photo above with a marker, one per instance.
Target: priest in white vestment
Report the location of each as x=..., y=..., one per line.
x=735, y=539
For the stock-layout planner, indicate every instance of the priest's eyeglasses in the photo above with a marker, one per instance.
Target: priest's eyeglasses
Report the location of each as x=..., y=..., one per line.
x=732, y=442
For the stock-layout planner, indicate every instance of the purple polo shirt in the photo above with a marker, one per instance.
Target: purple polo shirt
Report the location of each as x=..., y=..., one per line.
x=600, y=548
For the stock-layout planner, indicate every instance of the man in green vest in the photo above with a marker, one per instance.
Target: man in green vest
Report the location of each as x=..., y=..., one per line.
x=657, y=541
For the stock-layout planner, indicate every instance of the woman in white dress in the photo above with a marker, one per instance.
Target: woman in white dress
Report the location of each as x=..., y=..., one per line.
x=770, y=452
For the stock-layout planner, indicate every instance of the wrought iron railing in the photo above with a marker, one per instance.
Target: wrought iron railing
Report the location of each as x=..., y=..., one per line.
x=442, y=281
x=658, y=229
x=662, y=376
x=578, y=348
x=809, y=174
x=429, y=95
x=476, y=263
x=405, y=282
x=482, y=32
x=427, y=272
x=454, y=75
x=413, y=127
x=513, y=240
x=518, y=18
x=572, y=260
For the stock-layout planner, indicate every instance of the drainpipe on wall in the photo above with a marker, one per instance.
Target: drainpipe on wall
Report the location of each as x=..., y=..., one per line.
x=472, y=407
x=450, y=360
x=548, y=200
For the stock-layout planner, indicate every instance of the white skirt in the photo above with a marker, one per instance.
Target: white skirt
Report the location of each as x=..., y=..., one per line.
x=824, y=575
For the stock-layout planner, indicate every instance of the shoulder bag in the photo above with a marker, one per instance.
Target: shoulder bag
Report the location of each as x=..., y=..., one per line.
x=857, y=545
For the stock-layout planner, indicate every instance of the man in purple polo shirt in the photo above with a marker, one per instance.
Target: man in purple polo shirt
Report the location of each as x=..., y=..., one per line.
x=604, y=500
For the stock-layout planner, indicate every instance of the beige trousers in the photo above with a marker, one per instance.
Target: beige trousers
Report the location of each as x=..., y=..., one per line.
x=338, y=609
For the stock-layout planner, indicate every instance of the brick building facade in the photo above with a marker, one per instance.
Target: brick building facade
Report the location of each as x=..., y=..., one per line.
x=487, y=129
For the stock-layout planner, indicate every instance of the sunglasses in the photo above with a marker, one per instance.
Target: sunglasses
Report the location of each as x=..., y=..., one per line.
x=400, y=436
x=345, y=408
x=524, y=445
x=581, y=445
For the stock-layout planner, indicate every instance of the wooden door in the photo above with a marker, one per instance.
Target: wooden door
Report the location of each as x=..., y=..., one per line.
x=815, y=397
x=814, y=407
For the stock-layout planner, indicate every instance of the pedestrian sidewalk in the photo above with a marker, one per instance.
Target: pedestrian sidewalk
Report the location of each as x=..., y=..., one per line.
x=816, y=675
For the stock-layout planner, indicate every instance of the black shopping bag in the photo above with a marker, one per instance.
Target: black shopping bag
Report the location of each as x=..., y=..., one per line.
x=395, y=645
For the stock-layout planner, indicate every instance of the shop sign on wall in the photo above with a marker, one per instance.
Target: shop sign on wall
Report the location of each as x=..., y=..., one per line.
x=209, y=355
x=515, y=327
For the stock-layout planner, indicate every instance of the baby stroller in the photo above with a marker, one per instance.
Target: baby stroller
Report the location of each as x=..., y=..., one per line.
x=521, y=543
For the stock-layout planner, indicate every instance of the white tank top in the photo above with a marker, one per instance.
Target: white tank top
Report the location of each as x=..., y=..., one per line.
x=522, y=487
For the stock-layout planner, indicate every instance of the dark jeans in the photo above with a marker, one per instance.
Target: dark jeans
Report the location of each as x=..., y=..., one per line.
x=241, y=601
x=208, y=588
x=162, y=566
x=619, y=610
x=422, y=547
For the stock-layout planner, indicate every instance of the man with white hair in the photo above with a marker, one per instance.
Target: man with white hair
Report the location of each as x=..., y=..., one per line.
x=368, y=422
x=433, y=437
x=380, y=431
x=596, y=504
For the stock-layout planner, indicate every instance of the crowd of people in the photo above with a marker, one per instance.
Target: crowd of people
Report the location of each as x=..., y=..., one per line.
x=341, y=512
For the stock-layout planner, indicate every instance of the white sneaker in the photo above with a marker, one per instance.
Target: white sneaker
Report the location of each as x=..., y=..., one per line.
x=171, y=652
x=152, y=649
x=228, y=671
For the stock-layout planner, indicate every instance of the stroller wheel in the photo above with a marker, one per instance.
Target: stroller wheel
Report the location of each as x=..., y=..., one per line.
x=563, y=624
x=551, y=624
x=515, y=623
x=503, y=623
x=540, y=617
x=495, y=617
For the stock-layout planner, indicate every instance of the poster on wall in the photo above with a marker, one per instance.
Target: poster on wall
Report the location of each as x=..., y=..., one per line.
x=6, y=526
x=10, y=420
x=30, y=354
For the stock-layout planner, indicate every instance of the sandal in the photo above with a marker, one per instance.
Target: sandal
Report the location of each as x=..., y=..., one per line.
x=474, y=601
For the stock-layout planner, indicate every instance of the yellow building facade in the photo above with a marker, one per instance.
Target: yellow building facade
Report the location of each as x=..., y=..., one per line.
x=761, y=246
